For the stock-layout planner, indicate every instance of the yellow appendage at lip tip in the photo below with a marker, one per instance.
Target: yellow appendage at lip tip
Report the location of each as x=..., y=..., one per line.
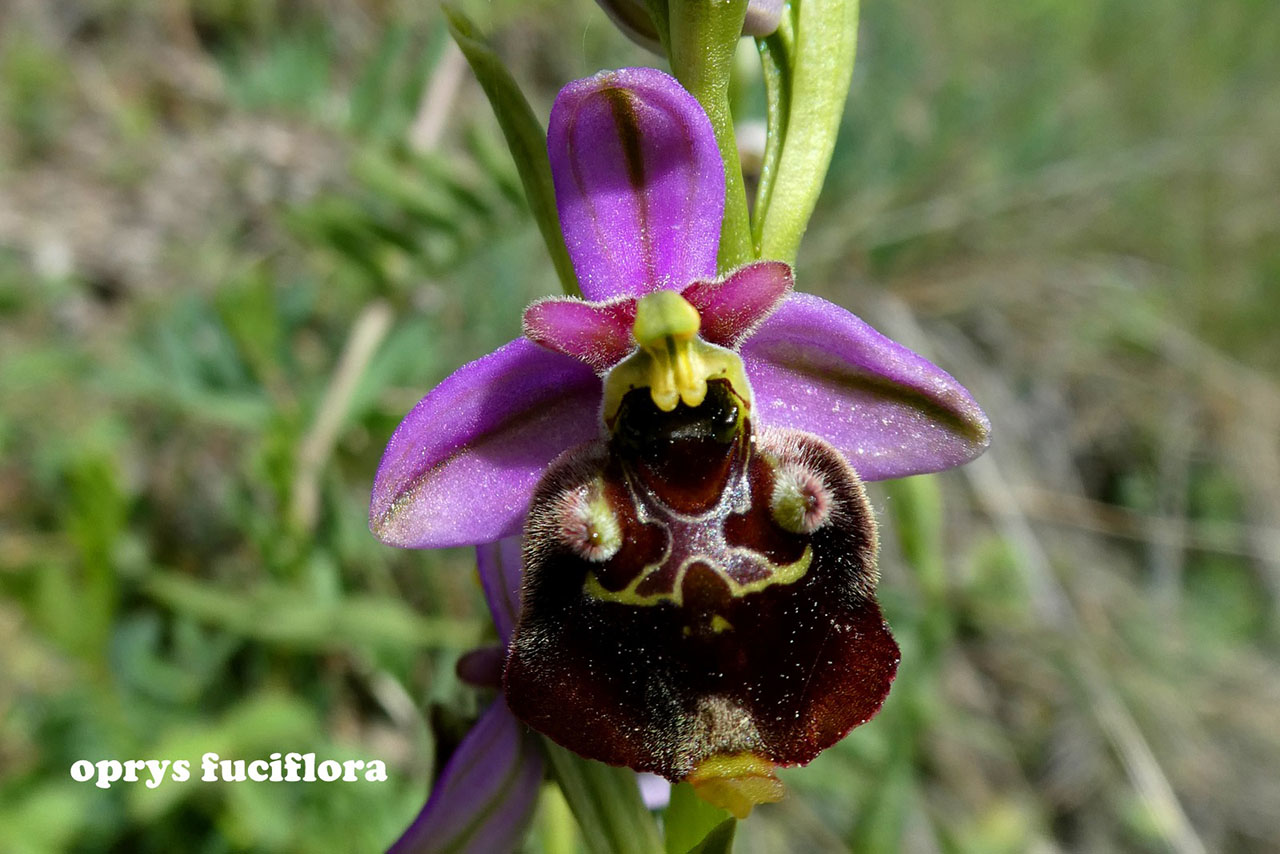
x=737, y=782
x=672, y=361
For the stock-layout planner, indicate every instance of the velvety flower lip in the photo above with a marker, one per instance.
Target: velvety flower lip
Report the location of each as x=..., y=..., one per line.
x=640, y=191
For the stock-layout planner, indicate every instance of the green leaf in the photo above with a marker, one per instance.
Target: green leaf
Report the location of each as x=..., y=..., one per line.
x=775, y=60
x=46, y=817
x=690, y=822
x=556, y=829
x=824, y=34
x=916, y=504
x=525, y=137
x=606, y=802
x=95, y=515
x=372, y=91
x=719, y=840
x=283, y=615
x=661, y=17
x=882, y=820
x=425, y=204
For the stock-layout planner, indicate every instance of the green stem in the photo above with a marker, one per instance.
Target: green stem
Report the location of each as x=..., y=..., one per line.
x=908, y=716
x=606, y=802
x=689, y=820
x=703, y=35
x=559, y=831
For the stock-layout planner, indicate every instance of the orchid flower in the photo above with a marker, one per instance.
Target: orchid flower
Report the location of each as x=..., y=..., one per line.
x=684, y=455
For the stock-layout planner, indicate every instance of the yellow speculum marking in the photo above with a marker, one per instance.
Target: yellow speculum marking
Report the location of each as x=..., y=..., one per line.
x=671, y=360
x=788, y=573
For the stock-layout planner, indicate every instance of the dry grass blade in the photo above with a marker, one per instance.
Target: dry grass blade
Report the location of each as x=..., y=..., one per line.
x=369, y=330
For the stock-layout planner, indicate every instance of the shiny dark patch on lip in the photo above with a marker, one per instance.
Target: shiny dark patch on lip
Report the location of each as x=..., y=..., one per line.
x=682, y=456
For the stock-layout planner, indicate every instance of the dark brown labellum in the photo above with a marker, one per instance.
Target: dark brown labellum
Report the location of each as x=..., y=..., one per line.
x=694, y=590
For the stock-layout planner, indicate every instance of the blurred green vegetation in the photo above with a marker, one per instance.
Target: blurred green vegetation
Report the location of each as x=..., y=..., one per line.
x=238, y=240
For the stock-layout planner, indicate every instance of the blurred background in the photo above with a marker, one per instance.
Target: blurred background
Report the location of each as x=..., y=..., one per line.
x=240, y=238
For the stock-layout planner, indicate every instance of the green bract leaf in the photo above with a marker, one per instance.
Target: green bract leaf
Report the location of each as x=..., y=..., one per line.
x=690, y=821
x=808, y=65
x=718, y=841
x=525, y=137
x=776, y=53
x=606, y=802
x=660, y=14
